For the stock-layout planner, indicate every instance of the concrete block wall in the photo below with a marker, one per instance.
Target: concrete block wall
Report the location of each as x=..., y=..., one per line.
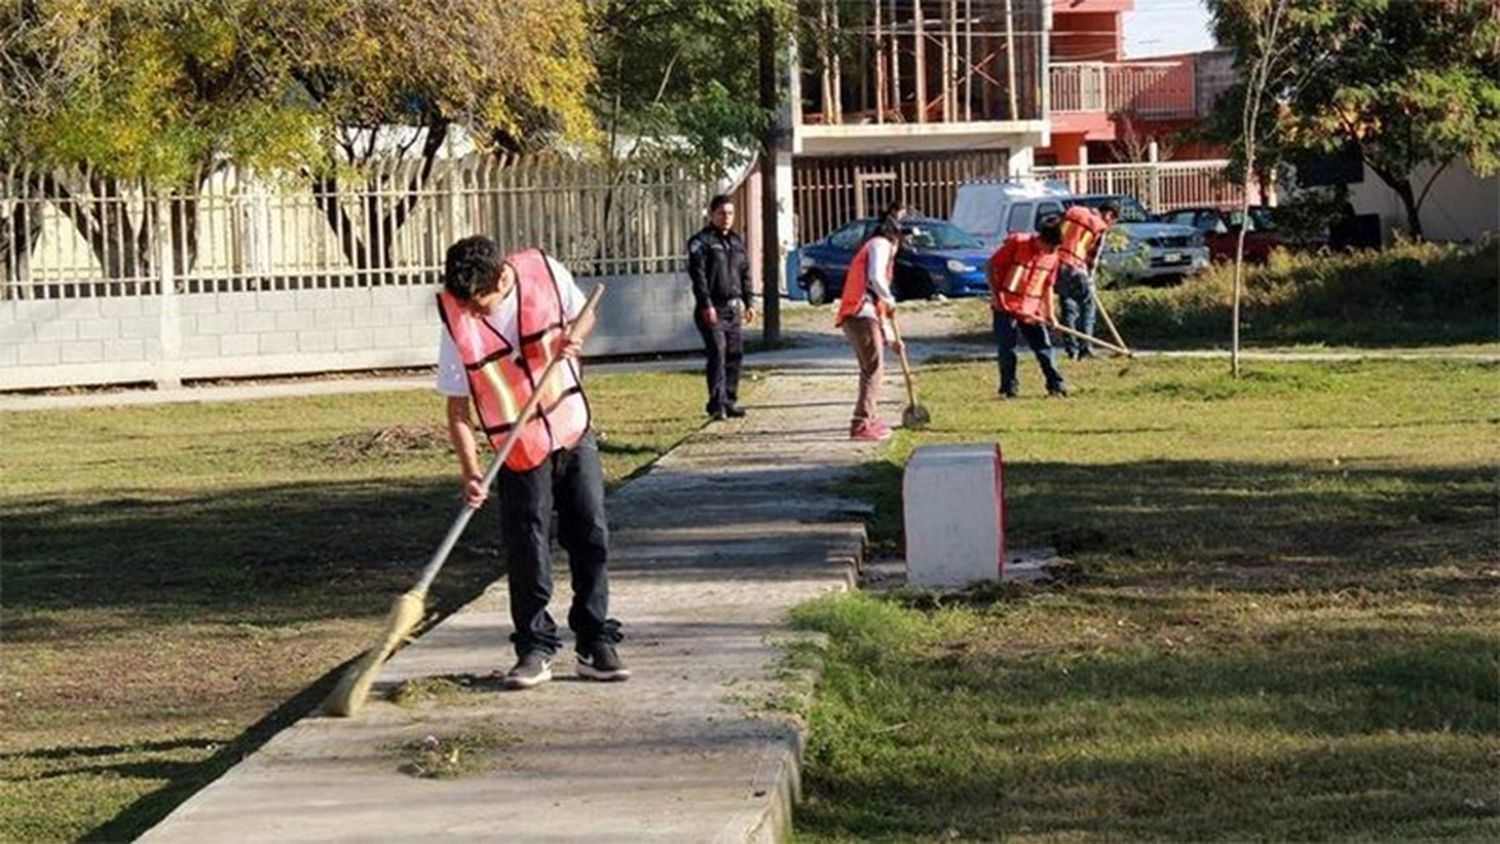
x=70, y=342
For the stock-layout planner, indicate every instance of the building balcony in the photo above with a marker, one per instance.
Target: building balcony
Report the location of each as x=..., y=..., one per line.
x=921, y=75
x=1140, y=90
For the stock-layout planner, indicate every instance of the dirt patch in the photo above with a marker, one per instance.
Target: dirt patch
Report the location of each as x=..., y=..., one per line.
x=386, y=442
x=449, y=757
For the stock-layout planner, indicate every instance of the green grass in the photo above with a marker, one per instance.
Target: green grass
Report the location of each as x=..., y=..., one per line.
x=1414, y=294
x=182, y=580
x=1281, y=622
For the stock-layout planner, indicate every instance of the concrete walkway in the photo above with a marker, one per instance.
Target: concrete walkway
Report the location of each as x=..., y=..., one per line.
x=710, y=549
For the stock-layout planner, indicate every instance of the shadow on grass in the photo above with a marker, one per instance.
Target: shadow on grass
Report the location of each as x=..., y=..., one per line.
x=1262, y=525
x=254, y=555
x=1215, y=704
x=185, y=779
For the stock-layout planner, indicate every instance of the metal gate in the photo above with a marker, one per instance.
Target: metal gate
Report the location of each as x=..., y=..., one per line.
x=829, y=192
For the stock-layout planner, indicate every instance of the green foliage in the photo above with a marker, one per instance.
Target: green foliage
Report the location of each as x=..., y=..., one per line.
x=680, y=77
x=1411, y=293
x=160, y=89
x=1402, y=83
x=152, y=89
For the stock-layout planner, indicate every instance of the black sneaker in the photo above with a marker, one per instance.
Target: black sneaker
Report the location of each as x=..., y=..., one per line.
x=533, y=669
x=1008, y=394
x=734, y=411
x=717, y=415
x=1057, y=393
x=600, y=662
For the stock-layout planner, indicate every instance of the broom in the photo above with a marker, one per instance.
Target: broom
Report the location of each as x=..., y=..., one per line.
x=348, y=697
x=915, y=415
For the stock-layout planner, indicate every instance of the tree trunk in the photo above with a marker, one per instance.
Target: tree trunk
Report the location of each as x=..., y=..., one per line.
x=1413, y=208
x=17, y=238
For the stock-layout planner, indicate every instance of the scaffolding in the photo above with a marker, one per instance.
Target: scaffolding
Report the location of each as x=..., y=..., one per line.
x=922, y=61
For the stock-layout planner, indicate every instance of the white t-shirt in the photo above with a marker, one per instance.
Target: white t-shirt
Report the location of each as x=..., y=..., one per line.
x=876, y=260
x=451, y=378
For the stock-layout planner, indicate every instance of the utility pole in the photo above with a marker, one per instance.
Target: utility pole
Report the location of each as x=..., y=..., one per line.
x=770, y=241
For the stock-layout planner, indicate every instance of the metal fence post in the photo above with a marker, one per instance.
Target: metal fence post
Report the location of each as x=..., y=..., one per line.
x=1151, y=155
x=168, y=375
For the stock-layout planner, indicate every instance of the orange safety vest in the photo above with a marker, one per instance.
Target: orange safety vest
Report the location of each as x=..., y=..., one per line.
x=502, y=378
x=853, y=297
x=1082, y=230
x=1026, y=281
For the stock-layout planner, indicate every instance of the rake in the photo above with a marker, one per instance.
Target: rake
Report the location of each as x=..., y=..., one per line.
x=915, y=415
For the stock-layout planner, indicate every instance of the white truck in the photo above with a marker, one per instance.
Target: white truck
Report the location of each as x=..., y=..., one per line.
x=1137, y=250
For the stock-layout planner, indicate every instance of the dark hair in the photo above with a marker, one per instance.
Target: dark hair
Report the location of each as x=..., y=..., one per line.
x=888, y=229
x=1111, y=208
x=719, y=201
x=894, y=210
x=1049, y=230
x=472, y=267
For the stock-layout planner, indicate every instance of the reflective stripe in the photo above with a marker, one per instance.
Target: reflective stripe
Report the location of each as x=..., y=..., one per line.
x=502, y=378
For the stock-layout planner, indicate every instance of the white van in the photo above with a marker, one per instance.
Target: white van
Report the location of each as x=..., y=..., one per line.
x=1149, y=250
x=991, y=210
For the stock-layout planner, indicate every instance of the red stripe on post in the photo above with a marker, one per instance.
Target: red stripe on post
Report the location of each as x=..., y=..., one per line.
x=1000, y=506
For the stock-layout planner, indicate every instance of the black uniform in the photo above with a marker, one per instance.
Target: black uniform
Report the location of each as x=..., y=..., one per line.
x=720, y=271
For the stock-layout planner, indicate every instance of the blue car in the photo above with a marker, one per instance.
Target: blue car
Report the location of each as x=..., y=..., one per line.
x=936, y=257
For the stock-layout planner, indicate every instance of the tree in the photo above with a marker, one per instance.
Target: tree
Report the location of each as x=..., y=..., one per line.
x=391, y=77
x=677, y=78
x=162, y=92
x=1406, y=84
x=101, y=98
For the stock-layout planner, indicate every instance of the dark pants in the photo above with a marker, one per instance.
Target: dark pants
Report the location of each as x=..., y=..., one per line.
x=572, y=481
x=1008, y=329
x=724, y=348
x=1076, y=291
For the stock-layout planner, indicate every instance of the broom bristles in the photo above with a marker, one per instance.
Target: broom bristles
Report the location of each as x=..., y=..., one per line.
x=349, y=696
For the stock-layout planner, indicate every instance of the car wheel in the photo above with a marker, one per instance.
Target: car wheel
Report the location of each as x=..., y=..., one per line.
x=917, y=287
x=817, y=290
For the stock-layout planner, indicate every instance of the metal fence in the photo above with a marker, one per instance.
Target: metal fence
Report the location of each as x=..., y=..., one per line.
x=829, y=192
x=1150, y=90
x=1160, y=186
x=66, y=235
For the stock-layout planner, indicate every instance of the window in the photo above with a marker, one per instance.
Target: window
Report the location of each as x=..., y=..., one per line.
x=1020, y=218
x=848, y=237
x=934, y=234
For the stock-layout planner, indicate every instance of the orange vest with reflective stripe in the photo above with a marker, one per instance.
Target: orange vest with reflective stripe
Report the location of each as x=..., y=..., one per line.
x=1082, y=232
x=1025, y=282
x=502, y=377
x=853, y=297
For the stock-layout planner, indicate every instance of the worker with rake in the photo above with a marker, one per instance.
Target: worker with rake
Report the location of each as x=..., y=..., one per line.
x=1022, y=273
x=866, y=309
x=506, y=320
x=1083, y=232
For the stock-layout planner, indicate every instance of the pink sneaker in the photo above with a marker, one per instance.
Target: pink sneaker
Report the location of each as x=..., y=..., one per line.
x=869, y=432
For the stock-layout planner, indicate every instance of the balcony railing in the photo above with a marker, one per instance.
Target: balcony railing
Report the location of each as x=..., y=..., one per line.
x=1151, y=90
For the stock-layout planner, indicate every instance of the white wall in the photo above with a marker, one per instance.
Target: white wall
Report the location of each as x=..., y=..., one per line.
x=1460, y=207
x=67, y=342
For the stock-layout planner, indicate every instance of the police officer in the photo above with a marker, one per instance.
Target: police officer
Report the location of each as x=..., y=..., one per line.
x=720, y=271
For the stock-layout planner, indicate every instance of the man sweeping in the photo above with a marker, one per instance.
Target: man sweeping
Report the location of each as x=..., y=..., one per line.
x=865, y=309
x=1083, y=232
x=1021, y=276
x=505, y=319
